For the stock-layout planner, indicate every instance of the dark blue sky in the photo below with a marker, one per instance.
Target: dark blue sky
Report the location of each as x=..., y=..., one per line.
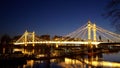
x=54, y=17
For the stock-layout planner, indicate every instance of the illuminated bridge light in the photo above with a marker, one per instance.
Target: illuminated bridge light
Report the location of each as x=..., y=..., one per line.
x=59, y=42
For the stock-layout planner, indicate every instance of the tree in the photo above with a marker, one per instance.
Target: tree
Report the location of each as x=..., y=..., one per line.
x=113, y=13
x=5, y=39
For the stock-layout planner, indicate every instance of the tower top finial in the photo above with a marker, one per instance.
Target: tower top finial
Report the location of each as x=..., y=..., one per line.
x=26, y=31
x=89, y=22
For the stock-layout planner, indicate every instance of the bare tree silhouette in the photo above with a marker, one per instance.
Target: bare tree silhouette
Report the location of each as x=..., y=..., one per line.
x=113, y=13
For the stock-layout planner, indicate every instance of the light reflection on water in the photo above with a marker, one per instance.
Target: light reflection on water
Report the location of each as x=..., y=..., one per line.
x=105, y=60
x=72, y=63
x=111, y=60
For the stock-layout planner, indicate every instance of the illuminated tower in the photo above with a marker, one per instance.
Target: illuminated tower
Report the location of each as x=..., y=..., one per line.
x=33, y=38
x=26, y=33
x=94, y=32
x=89, y=30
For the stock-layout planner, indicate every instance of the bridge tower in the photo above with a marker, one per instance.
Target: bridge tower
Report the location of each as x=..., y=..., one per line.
x=25, y=40
x=89, y=31
x=33, y=38
x=91, y=27
x=94, y=32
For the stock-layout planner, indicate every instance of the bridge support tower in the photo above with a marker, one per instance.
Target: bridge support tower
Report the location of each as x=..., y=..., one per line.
x=94, y=32
x=91, y=27
x=89, y=31
x=26, y=38
x=26, y=33
x=33, y=38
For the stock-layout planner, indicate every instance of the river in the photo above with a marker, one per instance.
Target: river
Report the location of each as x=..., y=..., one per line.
x=101, y=60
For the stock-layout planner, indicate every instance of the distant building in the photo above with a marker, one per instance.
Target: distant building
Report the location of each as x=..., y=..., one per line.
x=45, y=37
x=57, y=38
x=61, y=38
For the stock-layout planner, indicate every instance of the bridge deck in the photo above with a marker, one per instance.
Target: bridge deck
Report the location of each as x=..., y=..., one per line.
x=58, y=42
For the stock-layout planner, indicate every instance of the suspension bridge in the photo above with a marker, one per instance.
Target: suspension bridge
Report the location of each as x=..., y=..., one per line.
x=89, y=33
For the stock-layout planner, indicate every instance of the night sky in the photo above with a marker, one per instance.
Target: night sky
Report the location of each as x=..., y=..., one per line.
x=54, y=17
